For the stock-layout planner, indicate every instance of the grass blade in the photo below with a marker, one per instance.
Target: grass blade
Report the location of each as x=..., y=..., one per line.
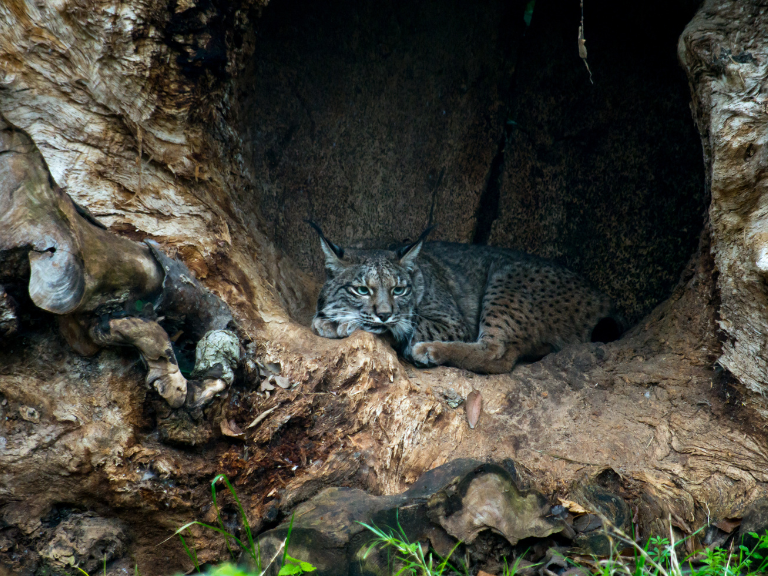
x=287, y=540
x=191, y=553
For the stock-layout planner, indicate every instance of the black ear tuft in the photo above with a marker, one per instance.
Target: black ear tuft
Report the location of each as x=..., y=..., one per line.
x=338, y=250
x=403, y=250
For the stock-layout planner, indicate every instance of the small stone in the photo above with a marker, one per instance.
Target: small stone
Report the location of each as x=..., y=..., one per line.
x=452, y=398
x=29, y=414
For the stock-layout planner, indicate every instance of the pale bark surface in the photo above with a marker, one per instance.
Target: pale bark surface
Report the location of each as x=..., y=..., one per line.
x=725, y=55
x=128, y=105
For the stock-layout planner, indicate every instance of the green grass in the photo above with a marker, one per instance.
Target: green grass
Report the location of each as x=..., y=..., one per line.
x=660, y=556
x=410, y=555
x=289, y=566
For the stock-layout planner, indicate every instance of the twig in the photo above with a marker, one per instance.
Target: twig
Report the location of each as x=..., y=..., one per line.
x=261, y=417
x=565, y=458
x=582, y=43
x=138, y=160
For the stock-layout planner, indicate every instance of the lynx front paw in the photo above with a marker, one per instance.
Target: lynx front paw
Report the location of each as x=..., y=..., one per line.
x=325, y=328
x=428, y=354
x=329, y=329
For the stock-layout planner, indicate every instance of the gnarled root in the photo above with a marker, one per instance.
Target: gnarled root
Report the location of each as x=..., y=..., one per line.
x=155, y=346
x=81, y=272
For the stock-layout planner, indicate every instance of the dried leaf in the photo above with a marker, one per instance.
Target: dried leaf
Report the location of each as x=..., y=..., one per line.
x=573, y=507
x=473, y=406
x=728, y=525
x=266, y=386
x=281, y=381
x=582, y=44
x=273, y=367
x=230, y=428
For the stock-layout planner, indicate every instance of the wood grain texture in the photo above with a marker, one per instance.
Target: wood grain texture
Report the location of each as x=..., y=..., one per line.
x=724, y=53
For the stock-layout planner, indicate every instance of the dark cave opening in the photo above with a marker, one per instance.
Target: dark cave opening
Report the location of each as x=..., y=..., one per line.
x=377, y=119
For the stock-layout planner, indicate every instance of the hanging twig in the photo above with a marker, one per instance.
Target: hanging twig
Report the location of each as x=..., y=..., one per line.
x=583, y=43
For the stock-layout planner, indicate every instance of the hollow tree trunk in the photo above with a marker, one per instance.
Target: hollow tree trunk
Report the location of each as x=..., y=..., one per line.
x=131, y=107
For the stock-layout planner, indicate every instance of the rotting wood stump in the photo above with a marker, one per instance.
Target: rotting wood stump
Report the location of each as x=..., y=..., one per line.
x=668, y=437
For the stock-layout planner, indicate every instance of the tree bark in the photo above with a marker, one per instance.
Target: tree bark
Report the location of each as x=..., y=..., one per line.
x=724, y=53
x=130, y=106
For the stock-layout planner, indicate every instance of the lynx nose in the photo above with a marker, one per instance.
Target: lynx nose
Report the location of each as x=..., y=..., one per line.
x=384, y=316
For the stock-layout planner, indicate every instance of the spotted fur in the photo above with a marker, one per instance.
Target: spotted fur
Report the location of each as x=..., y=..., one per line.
x=475, y=307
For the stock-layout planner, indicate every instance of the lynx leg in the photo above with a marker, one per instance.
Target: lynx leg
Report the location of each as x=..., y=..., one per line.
x=488, y=356
x=507, y=329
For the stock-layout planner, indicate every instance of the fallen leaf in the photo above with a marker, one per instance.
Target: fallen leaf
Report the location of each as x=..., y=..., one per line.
x=473, y=406
x=266, y=386
x=573, y=507
x=281, y=381
x=230, y=428
x=273, y=367
x=582, y=43
x=728, y=525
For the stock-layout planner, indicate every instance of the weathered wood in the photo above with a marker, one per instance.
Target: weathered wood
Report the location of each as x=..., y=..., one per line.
x=450, y=504
x=75, y=265
x=139, y=132
x=725, y=55
x=97, y=280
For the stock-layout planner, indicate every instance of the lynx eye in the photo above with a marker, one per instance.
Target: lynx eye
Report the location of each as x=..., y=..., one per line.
x=399, y=290
x=362, y=290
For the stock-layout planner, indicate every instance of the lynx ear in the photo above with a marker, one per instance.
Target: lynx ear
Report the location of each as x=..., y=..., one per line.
x=333, y=254
x=408, y=253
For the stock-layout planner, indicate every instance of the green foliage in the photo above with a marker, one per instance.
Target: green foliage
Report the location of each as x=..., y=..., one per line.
x=293, y=566
x=410, y=555
x=512, y=570
x=288, y=566
x=528, y=13
x=227, y=569
x=660, y=557
x=249, y=547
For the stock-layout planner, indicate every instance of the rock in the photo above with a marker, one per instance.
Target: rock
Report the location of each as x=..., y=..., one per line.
x=29, y=414
x=452, y=398
x=85, y=540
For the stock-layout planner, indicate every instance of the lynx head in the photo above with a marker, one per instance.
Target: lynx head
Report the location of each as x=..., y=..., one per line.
x=371, y=290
